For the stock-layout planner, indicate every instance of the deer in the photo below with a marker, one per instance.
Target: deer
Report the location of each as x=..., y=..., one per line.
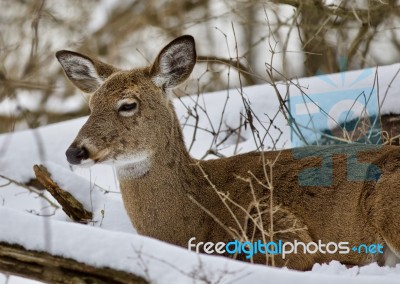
x=172, y=197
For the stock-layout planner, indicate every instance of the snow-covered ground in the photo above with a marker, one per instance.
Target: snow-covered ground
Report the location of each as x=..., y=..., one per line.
x=110, y=240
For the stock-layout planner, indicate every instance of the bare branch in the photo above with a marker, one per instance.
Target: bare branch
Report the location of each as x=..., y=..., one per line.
x=72, y=207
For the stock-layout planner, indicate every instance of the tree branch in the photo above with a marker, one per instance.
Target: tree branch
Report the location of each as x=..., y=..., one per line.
x=42, y=266
x=239, y=67
x=72, y=207
x=334, y=10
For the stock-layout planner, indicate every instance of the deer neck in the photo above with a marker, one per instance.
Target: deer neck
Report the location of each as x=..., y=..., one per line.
x=171, y=161
x=159, y=197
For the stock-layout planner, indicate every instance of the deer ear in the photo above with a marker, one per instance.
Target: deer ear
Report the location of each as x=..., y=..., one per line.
x=174, y=63
x=84, y=72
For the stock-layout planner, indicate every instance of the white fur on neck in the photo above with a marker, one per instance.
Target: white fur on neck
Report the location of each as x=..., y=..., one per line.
x=133, y=166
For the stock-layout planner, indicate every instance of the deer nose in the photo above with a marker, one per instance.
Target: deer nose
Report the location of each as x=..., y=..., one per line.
x=76, y=155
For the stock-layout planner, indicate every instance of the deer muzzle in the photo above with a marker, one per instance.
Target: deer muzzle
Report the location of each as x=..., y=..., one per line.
x=75, y=155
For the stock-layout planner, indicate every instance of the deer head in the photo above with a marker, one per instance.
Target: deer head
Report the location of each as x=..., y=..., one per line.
x=131, y=116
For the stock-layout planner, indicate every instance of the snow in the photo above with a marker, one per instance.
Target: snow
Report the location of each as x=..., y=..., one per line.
x=110, y=240
x=16, y=280
x=157, y=261
x=107, y=208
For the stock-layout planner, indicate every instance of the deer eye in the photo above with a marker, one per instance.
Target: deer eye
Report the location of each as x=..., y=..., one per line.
x=127, y=107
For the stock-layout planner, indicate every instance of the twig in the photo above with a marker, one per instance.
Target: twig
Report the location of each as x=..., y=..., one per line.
x=30, y=189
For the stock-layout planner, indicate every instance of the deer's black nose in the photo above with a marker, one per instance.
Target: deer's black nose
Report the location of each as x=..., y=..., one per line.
x=76, y=155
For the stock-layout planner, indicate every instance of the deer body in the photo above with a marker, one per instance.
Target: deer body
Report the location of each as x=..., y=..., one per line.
x=170, y=196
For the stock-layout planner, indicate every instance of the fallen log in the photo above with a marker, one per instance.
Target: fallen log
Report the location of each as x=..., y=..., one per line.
x=42, y=266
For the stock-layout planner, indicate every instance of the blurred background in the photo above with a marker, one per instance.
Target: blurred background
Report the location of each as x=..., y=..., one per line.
x=239, y=43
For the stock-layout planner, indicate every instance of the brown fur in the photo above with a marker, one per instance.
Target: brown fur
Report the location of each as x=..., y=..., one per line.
x=159, y=200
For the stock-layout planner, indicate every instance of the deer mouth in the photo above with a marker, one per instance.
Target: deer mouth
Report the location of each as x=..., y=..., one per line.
x=101, y=157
